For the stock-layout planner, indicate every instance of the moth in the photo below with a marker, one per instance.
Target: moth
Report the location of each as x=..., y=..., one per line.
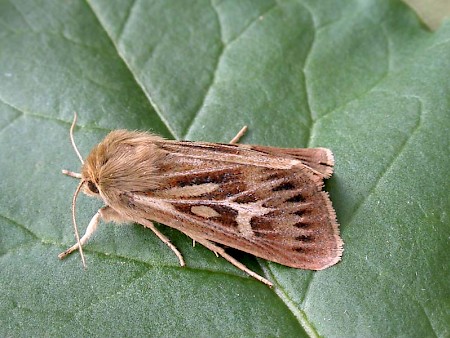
x=262, y=200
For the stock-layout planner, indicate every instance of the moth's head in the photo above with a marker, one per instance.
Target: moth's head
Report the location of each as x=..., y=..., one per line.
x=100, y=167
x=123, y=161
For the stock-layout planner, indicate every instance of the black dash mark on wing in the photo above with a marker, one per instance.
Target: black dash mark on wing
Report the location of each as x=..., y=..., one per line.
x=301, y=225
x=296, y=199
x=284, y=186
x=304, y=238
x=247, y=198
x=299, y=212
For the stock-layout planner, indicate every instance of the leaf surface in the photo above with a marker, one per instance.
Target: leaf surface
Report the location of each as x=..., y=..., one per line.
x=363, y=78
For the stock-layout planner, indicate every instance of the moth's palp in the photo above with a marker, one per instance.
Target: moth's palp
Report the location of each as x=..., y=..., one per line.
x=71, y=174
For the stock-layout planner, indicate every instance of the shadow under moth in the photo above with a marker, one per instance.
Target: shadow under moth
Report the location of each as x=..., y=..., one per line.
x=265, y=201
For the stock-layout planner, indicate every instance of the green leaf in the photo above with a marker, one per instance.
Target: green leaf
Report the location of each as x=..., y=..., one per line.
x=363, y=78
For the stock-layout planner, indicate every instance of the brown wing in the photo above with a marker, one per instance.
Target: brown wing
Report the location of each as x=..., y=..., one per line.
x=320, y=160
x=265, y=201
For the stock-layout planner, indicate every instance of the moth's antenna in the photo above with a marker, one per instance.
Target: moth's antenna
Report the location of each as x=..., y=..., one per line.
x=72, y=139
x=77, y=236
x=74, y=199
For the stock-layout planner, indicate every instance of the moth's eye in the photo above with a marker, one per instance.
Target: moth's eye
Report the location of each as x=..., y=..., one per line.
x=92, y=187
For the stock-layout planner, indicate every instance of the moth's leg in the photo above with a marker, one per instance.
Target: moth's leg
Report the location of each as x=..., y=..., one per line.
x=71, y=173
x=105, y=213
x=239, y=135
x=164, y=239
x=220, y=251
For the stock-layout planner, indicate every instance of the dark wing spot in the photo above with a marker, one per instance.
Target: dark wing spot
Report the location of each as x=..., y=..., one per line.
x=301, y=225
x=184, y=208
x=259, y=234
x=248, y=198
x=304, y=238
x=299, y=212
x=261, y=223
x=296, y=199
x=284, y=186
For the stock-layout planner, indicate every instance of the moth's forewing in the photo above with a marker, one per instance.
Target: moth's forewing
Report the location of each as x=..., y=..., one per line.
x=262, y=200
